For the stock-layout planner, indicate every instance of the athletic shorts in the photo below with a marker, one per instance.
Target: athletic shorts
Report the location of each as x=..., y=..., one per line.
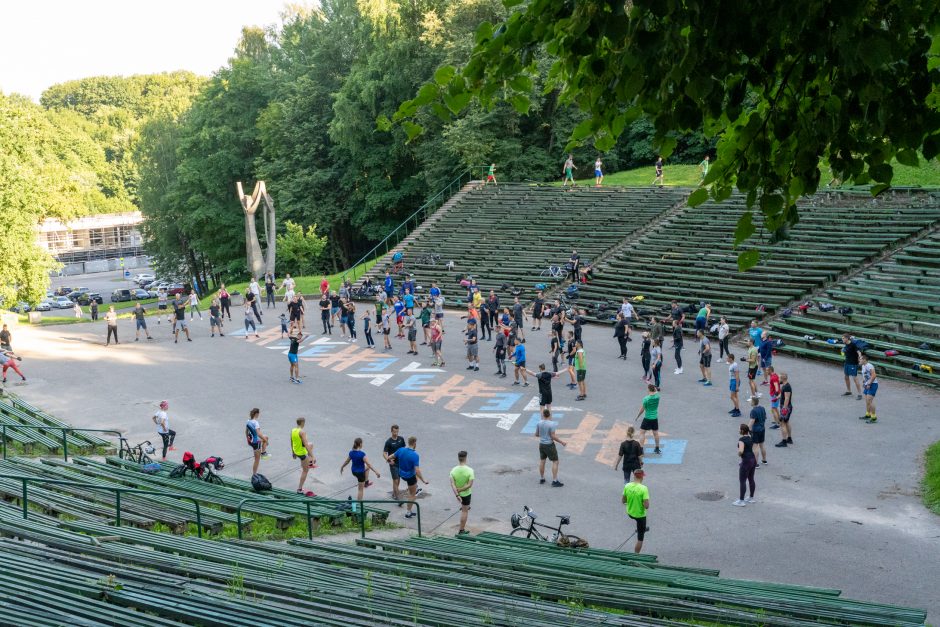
x=706, y=360
x=850, y=370
x=256, y=446
x=393, y=471
x=412, y=334
x=413, y=480
x=545, y=399
x=161, y=307
x=649, y=425
x=548, y=451
x=775, y=402
x=733, y=385
x=752, y=373
x=580, y=374
x=292, y=358
x=141, y=324
x=436, y=345
x=182, y=324
x=360, y=476
x=218, y=321
x=439, y=316
x=473, y=350
x=334, y=310
x=640, y=528
x=757, y=437
x=785, y=414
x=386, y=331
x=520, y=364
x=764, y=363
x=398, y=320
x=571, y=361
x=700, y=324
x=465, y=500
x=597, y=174
x=871, y=389
x=490, y=177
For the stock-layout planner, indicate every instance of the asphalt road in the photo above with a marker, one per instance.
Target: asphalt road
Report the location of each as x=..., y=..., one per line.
x=838, y=509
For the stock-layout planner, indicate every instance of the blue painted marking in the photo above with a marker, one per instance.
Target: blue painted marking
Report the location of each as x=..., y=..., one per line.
x=316, y=350
x=501, y=402
x=529, y=428
x=672, y=451
x=378, y=365
x=415, y=382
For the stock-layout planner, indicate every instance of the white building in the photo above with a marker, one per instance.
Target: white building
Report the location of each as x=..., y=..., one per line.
x=103, y=236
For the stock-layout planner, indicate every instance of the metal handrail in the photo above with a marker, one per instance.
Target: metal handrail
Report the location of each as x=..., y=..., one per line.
x=64, y=430
x=308, y=501
x=118, y=490
x=422, y=211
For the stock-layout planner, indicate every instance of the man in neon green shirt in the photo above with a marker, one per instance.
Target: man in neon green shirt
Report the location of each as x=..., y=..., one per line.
x=580, y=366
x=636, y=497
x=703, y=166
x=461, y=481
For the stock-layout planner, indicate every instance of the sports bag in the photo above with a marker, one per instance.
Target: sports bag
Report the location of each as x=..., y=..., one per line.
x=846, y=311
x=540, y=287
x=572, y=291
x=786, y=313
x=152, y=469
x=861, y=345
x=826, y=306
x=260, y=483
x=891, y=353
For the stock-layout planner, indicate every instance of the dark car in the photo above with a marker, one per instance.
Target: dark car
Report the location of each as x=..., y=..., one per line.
x=62, y=291
x=77, y=293
x=118, y=296
x=140, y=294
x=85, y=299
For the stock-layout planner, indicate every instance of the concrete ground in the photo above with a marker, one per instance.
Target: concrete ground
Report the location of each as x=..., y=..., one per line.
x=838, y=509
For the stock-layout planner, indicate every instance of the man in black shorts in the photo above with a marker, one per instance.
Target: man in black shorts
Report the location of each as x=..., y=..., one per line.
x=636, y=497
x=544, y=379
x=786, y=411
x=179, y=309
x=537, y=306
x=391, y=446
x=461, y=482
x=518, y=316
x=545, y=432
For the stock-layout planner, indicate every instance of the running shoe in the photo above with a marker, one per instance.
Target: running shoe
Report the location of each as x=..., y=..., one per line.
x=410, y=515
x=775, y=426
x=781, y=444
x=701, y=380
x=749, y=500
x=542, y=480
x=846, y=394
x=657, y=451
x=789, y=440
x=463, y=532
x=739, y=503
x=707, y=384
x=368, y=484
x=859, y=397
x=872, y=421
x=865, y=417
x=557, y=484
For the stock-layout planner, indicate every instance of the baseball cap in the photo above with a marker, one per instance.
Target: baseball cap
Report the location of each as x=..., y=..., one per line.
x=164, y=404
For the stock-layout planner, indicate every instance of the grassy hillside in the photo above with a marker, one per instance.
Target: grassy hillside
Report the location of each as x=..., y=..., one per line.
x=927, y=175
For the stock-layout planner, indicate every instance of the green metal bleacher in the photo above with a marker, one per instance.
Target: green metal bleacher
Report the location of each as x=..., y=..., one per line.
x=95, y=573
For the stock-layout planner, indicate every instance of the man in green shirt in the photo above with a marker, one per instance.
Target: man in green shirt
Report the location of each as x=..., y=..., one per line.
x=650, y=412
x=426, y=321
x=580, y=367
x=461, y=481
x=636, y=497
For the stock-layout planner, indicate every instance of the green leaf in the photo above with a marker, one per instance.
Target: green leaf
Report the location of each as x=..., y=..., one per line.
x=426, y=95
x=457, y=102
x=744, y=229
x=412, y=129
x=748, y=259
x=521, y=82
x=441, y=112
x=666, y=146
x=605, y=142
x=881, y=172
x=484, y=32
x=443, y=75
x=908, y=157
x=697, y=197
x=879, y=188
x=383, y=123
x=582, y=130
x=520, y=103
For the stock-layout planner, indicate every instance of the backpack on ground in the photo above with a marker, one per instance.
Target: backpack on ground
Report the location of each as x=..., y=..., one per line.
x=892, y=353
x=861, y=345
x=786, y=313
x=571, y=291
x=152, y=469
x=924, y=346
x=846, y=311
x=260, y=483
x=540, y=287
x=826, y=306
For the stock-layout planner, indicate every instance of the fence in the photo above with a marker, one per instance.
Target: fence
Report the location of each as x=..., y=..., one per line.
x=308, y=502
x=65, y=431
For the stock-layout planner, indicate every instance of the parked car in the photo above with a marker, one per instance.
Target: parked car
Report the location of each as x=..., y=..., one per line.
x=63, y=302
x=85, y=299
x=118, y=296
x=77, y=293
x=21, y=307
x=143, y=278
x=43, y=306
x=175, y=288
x=140, y=294
x=62, y=291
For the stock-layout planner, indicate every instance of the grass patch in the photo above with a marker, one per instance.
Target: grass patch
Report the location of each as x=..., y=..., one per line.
x=931, y=486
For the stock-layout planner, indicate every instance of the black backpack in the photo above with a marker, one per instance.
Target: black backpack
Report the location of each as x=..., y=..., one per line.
x=826, y=306
x=846, y=311
x=260, y=483
x=786, y=313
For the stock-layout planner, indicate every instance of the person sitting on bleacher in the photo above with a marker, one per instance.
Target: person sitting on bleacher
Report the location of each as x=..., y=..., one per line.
x=585, y=273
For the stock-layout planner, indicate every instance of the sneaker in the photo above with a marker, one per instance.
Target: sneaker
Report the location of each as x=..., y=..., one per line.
x=265, y=455
x=475, y=368
x=172, y=448
x=657, y=451
x=462, y=532
x=750, y=499
x=764, y=462
x=542, y=480
x=731, y=411
x=846, y=394
x=136, y=339
x=557, y=484
x=410, y=515
x=502, y=376
x=872, y=421
x=468, y=367
x=739, y=503
x=789, y=440
x=859, y=397
x=368, y=484
x=526, y=384
x=310, y=493
x=736, y=413
x=865, y=417
x=775, y=426
x=759, y=395
x=763, y=383
x=515, y=383
x=750, y=398
x=707, y=384
x=701, y=380
x=580, y=398
x=781, y=444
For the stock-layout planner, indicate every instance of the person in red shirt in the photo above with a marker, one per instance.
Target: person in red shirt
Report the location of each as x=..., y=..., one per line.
x=774, y=380
x=324, y=287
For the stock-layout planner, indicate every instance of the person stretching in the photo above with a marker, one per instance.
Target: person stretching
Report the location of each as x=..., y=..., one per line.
x=360, y=467
x=302, y=450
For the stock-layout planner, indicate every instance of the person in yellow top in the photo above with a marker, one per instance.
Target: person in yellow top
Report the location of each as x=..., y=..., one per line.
x=636, y=497
x=301, y=449
x=461, y=482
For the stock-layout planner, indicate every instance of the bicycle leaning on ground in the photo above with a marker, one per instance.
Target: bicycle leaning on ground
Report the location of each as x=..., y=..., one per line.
x=139, y=454
x=524, y=525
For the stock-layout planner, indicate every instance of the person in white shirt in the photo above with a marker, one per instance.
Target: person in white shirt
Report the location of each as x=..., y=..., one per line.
x=288, y=286
x=724, y=335
x=194, y=305
x=628, y=312
x=162, y=421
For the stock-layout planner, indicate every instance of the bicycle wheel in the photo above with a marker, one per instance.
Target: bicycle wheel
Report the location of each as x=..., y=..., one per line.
x=145, y=459
x=522, y=532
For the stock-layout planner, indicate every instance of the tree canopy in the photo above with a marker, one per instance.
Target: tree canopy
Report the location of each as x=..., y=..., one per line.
x=785, y=87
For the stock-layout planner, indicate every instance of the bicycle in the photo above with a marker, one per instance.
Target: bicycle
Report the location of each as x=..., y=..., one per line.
x=553, y=272
x=559, y=537
x=429, y=259
x=139, y=454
